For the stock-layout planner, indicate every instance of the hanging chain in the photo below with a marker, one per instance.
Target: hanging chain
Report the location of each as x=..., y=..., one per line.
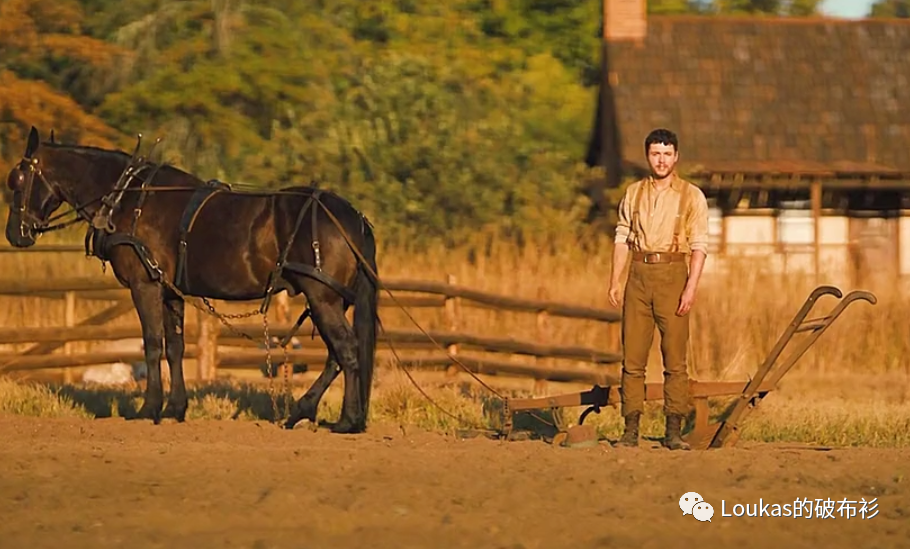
x=223, y=318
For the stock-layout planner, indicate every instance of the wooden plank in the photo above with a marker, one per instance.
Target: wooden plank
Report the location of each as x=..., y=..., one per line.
x=504, y=302
x=107, y=315
x=62, y=285
x=46, y=248
x=653, y=391
x=29, y=286
x=81, y=359
x=502, y=345
x=492, y=367
x=240, y=360
x=401, y=338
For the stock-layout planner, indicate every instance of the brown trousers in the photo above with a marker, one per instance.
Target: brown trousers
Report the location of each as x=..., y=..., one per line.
x=652, y=297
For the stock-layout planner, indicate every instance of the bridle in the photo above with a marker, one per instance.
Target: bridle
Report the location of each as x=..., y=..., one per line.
x=30, y=223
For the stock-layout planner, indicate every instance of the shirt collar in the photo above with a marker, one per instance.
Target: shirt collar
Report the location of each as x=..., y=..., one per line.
x=676, y=182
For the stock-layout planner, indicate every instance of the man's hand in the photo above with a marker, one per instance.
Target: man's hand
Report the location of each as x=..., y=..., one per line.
x=686, y=300
x=620, y=255
x=615, y=295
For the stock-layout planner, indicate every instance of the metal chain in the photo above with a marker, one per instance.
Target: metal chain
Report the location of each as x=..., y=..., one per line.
x=210, y=309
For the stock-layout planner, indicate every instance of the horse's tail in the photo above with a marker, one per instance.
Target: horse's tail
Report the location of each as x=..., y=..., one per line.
x=366, y=315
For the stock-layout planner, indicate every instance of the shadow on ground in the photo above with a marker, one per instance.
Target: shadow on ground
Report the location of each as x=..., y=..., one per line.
x=221, y=400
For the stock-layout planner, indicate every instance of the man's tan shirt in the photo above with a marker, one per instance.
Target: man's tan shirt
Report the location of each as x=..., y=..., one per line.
x=657, y=217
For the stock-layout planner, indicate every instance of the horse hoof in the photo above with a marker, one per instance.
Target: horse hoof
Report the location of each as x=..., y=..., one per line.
x=176, y=411
x=150, y=412
x=348, y=427
x=303, y=411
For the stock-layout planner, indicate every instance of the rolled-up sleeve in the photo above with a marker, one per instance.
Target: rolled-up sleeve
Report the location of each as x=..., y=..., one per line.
x=698, y=221
x=624, y=223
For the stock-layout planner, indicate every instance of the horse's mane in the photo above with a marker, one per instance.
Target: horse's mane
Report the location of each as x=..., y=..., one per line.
x=240, y=188
x=116, y=154
x=83, y=149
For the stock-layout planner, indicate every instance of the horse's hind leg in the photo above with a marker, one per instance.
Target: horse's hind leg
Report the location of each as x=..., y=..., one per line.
x=174, y=348
x=308, y=405
x=147, y=299
x=339, y=338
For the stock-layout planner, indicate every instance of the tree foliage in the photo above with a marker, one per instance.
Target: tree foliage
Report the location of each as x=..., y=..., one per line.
x=438, y=119
x=48, y=69
x=891, y=8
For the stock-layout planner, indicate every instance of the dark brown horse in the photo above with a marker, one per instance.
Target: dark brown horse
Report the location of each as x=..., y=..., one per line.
x=165, y=233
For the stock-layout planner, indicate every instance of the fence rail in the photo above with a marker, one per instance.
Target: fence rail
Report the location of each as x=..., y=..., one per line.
x=214, y=346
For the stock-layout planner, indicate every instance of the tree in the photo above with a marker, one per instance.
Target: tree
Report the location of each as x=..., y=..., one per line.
x=44, y=51
x=792, y=8
x=891, y=8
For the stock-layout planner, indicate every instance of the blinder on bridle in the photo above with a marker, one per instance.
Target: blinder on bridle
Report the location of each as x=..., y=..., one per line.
x=22, y=181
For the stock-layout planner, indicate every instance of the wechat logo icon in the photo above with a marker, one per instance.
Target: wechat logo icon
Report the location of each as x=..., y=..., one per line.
x=693, y=504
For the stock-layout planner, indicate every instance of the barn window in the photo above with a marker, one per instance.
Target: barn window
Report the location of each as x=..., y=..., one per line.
x=795, y=223
x=715, y=228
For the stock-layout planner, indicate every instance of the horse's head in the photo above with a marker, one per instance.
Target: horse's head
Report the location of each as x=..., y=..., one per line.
x=34, y=198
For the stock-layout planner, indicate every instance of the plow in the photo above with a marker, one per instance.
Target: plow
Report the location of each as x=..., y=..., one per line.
x=701, y=433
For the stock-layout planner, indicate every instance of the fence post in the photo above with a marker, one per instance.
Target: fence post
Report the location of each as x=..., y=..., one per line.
x=69, y=320
x=207, y=346
x=452, y=306
x=543, y=336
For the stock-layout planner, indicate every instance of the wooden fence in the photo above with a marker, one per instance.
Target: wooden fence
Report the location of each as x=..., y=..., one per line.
x=214, y=346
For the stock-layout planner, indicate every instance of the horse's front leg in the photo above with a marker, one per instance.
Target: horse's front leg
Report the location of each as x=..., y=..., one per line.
x=147, y=299
x=173, y=348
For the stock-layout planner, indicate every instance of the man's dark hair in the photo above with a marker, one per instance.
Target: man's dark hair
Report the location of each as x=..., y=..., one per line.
x=661, y=136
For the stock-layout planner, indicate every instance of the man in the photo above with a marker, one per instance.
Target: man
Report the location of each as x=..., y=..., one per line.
x=662, y=220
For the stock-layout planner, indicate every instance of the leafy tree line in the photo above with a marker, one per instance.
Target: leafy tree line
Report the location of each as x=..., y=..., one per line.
x=438, y=119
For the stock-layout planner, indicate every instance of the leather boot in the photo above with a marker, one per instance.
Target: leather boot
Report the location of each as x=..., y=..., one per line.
x=672, y=439
x=630, y=435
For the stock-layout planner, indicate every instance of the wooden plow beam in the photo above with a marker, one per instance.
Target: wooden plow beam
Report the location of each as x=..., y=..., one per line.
x=705, y=434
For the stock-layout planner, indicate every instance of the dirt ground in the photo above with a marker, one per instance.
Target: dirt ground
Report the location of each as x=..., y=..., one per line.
x=114, y=483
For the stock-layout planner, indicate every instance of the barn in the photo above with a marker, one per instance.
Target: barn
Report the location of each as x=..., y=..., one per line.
x=797, y=130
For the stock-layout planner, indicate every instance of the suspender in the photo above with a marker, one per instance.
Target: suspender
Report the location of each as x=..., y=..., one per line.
x=680, y=215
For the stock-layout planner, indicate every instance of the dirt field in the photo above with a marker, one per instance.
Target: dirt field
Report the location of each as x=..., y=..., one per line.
x=113, y=483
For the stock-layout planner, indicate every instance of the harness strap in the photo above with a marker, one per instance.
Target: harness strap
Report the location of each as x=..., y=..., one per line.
x=100, y=243
x=282, y=260
x=310, y=271
x=143, y=194
x=636, y=216
x=680, y=215
x=190, y=212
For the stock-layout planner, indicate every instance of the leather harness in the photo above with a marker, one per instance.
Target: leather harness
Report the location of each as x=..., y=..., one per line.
x=658, y=257
x=102, y=237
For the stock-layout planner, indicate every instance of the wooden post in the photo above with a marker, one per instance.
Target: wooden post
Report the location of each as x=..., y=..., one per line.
x=207, y=344
x=452, y=306
x=69, y=320
x=815, y=196
x=543, y=336
x=816, y=199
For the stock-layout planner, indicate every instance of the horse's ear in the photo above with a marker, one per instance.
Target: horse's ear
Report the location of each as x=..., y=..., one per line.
x=33, y=141
x=52, y=136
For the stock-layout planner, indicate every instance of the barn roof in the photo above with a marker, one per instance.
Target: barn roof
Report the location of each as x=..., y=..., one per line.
x=793, y=96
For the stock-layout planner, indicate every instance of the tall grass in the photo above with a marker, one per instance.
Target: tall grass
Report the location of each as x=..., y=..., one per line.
x=739, y=314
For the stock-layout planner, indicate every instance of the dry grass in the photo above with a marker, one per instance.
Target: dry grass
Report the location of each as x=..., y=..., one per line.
x=739, y=316
x=802, y=412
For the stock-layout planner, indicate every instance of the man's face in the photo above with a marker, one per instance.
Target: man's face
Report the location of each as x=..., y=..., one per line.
x=662, y=159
